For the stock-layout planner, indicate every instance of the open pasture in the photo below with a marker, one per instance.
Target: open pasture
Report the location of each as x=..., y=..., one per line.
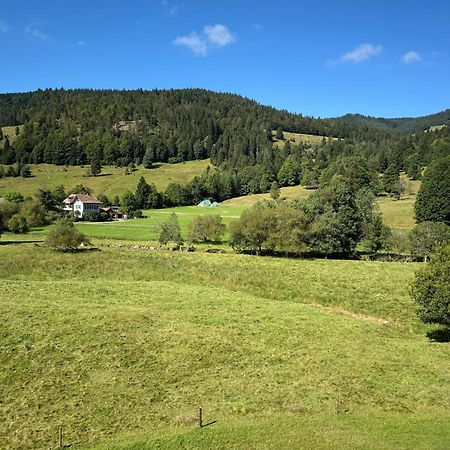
x=122, y=346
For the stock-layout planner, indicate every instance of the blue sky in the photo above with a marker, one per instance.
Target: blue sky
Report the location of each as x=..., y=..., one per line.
x=321, y=58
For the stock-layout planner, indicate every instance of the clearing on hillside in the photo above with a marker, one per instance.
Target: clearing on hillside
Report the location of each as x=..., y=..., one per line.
x=112, y=181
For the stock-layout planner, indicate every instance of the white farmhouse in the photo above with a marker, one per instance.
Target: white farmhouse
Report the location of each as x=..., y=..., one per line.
x=80, y=204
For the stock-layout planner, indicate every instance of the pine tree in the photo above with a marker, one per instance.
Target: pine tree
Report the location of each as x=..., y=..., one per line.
x=433, y=198
x=143, y=191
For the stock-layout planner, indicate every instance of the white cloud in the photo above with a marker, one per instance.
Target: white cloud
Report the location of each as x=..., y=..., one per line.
x=3, y=27
x=411, y=57
x=33, y=30
x=218, y=35
x=213, y=36
x=361, y=53
x=194, y=43
x=81, y=43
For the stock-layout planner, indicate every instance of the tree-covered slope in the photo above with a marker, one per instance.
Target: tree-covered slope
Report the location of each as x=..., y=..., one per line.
x=403, y=125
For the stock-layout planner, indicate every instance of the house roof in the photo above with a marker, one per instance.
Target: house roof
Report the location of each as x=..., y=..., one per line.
x=83, y=198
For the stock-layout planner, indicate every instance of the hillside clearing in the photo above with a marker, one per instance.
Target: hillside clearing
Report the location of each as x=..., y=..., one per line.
x=111, y=182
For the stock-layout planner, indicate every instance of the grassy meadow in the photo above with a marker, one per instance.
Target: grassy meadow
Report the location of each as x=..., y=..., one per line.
x=11, y=133
x=299, y=138
x=111, y=182
x=122, y=346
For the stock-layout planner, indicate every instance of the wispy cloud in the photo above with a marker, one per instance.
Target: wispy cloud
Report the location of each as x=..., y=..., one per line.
x=171, y=8
x=411, y=57
x=213, y=36
x=33, y=29
x=361, y=53
x=81, y=43
x=3, y=27
x=194, y=43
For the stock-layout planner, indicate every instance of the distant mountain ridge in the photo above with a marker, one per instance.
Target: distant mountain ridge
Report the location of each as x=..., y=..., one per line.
x=402, y=124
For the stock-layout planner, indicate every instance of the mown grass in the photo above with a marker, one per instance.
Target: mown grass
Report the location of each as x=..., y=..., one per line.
x=123, y=346
x=148, y=227
x=111, y=182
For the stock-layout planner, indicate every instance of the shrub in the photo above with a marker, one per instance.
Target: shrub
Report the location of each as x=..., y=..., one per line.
x=18, y=224
x=64, y=236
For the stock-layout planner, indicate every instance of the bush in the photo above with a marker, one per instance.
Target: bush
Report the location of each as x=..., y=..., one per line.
x=18, y=224
x=431, y=289
x=64, y=236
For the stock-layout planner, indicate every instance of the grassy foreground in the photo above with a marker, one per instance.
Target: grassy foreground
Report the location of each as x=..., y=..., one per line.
x=111, y=182
x=122, y=346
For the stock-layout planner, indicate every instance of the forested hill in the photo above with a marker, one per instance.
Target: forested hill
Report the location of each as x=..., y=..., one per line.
x=75, y=126
x=404, y=125
x=122, y=127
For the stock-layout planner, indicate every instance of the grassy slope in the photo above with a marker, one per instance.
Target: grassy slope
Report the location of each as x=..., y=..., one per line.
x=122, y=345
x=11, y=133
x=298, y=138
x=112, y=182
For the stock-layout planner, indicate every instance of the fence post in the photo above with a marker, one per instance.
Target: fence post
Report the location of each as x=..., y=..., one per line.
x=200, y=418
x=61, y=437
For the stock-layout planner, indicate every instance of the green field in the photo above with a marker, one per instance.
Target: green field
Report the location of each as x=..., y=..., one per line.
x=147, y=229
x=122, y=346
x=113, y=180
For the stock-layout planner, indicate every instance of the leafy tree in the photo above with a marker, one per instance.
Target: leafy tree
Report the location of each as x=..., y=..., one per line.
x=433, y=198
x=148, y=158
x=431, y=289
x=337, y=223
x=206, y=228
x=128, y=203
x=170, y=231
x=116, y=200
x=63, y=235
x=34, y=213
x=252, y=230
x=95, y=168
x=80, y=189
x=427, y=236
x=105, y=200
x=288, y=175
x=46, y=199
x=376, y=234
x=58, y=195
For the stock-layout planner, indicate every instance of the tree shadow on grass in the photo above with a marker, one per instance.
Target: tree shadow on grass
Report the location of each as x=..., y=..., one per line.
x=440, y=335
x=19, y=242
